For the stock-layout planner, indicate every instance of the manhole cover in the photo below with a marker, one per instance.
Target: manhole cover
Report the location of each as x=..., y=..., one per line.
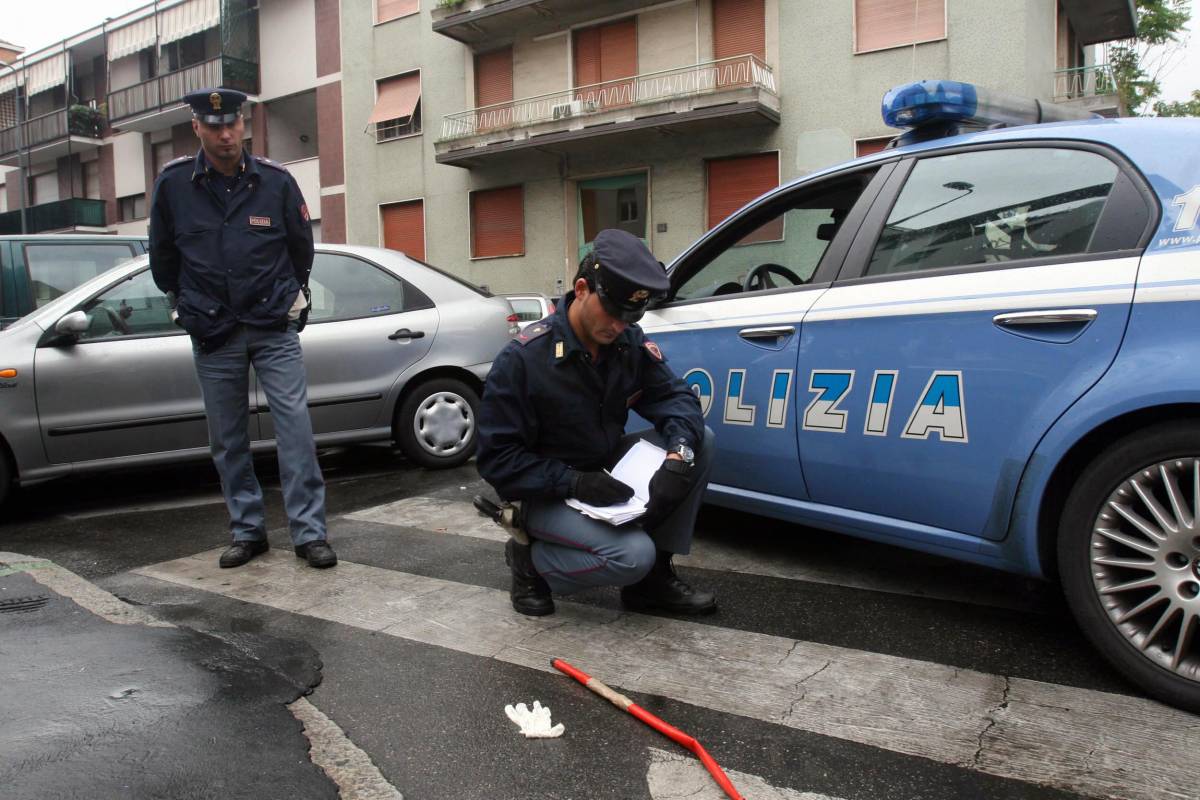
x=15, y=604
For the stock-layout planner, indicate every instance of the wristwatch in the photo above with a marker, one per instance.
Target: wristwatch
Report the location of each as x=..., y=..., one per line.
x=684, y=452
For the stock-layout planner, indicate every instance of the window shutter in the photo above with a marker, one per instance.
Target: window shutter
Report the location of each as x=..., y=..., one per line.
x=739, y=28
x=618, y=50
x=733, y=182
x=587, y=56
x=893, y=23
x=404, y=228
x=498, y=222
x=494, y=77
x=392, y=9
x=865, y=147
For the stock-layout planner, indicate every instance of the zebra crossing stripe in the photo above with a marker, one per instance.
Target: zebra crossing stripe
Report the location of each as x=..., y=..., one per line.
x=1075, y=739
x=677, y=776
x=438, y=515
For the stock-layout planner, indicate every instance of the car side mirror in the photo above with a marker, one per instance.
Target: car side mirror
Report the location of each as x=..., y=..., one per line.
x=74, y=324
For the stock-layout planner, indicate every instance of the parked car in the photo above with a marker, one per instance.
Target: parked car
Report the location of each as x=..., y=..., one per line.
x=980, y=346
x=530, y=307
x=101, y=378
x=38, y=268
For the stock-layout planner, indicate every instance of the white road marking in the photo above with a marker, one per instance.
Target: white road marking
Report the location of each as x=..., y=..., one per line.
x=357, y=778
x=1075, y=739
x=438, y=515
x=679, y=776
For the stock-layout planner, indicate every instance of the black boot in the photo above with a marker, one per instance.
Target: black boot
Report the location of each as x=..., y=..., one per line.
x=664, y=590
x=530, y=593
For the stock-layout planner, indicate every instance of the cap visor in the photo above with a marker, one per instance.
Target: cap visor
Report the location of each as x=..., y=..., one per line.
x=218, y=119
x=623, y=314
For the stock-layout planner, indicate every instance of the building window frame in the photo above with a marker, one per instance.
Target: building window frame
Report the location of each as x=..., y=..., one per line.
x=376, y=21
x=132, y=198
x=471, y=223
x=392, y=130
x=424, y=227
x=854, y=49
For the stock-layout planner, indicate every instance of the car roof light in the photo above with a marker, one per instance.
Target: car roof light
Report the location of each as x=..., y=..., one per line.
x=927, y=109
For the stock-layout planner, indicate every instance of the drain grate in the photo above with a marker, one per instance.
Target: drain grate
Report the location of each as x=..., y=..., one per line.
x=17, y=604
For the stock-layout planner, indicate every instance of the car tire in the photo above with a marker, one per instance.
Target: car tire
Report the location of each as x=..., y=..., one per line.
x=6, y=477
x=1129, y=559
x=436, y=424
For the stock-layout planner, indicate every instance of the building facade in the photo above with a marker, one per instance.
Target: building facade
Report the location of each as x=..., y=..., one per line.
x=494, y=138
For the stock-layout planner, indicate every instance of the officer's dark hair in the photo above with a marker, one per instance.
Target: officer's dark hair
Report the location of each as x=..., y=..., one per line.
x=587, y=271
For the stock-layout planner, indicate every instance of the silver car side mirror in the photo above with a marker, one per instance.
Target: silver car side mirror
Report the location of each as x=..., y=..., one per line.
x=73, y=324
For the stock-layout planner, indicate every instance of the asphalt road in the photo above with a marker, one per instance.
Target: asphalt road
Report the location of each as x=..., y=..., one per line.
x=834, y=668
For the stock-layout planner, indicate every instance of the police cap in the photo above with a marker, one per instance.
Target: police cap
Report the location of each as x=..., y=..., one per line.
x=215, y=106
x=626, y=274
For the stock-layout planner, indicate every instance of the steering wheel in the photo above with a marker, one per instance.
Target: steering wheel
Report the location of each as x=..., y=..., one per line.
x=119, y=326
x=760, y=277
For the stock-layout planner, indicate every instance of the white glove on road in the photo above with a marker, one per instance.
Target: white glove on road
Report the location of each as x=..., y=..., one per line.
x=534, y=724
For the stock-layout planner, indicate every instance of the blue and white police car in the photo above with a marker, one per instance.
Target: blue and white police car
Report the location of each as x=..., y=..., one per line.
x=982, y=343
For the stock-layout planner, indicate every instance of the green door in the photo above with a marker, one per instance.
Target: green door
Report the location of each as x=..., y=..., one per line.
x=617, y=202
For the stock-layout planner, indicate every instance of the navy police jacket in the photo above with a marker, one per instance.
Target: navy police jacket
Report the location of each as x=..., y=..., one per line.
x=236, y=257
x=547, y=408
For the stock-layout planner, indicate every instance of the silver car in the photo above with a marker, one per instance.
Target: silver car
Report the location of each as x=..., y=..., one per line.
x=100, y=378
x=529, y=307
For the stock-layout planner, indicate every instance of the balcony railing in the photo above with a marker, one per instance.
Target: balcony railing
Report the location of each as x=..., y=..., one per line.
x=1081, y=82
x=169, y=89
x=59, y=215
x=77, y=121
x=683, y=82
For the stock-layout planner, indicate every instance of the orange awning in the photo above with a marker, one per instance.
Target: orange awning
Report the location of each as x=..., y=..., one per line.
x=397, y=98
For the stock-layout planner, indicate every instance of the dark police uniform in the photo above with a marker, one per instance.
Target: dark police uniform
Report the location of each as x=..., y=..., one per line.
x=233, y=253
x=550, y=412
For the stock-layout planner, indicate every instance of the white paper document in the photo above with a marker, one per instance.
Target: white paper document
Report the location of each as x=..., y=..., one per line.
x=635, y=469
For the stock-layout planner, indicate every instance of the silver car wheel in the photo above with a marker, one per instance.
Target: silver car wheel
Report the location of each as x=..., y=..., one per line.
x=444, y=424
x=1145, y=563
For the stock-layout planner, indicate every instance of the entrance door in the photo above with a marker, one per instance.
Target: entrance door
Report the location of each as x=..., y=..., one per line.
x=617, y=202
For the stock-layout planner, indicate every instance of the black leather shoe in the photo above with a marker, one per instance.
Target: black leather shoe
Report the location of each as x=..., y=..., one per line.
x=666, y=591
x=530, y=593
x=239, y=553
x=318, y=554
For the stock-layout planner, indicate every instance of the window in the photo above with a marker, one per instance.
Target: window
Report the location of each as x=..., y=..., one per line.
x=865, y=147
x=348, y=288
x=880, y=24
x=733, y=182
x=807, y=221
x=526, y=309
x=131, y=207
x=615, y=202
x=739, y=28
x=91, y=179
x=135, y=307
x=162, y=153
x=498, y=222
x=55, y=269
x=386, y=10
x=994, y=206
x=43, y=188
x=604, y=54
x=494, y=87
x=397, y=107
x=404, y=227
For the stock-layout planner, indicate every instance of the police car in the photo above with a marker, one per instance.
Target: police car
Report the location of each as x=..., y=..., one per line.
x=980, y=343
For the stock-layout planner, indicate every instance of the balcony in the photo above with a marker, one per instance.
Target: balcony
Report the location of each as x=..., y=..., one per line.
x=1098, y=21
x=157, y=103
x=46, y=138
x=61, y=215
x=715, y=94
x=496, y=22
x=1091, y=88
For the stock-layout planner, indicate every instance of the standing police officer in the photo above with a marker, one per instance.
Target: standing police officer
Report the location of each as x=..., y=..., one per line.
x=231, y=245
x=552, y=420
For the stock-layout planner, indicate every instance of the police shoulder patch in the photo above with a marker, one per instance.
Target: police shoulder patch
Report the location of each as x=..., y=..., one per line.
x=269, y=163
x=175, y=162
x=532, y=332
x=653, y=350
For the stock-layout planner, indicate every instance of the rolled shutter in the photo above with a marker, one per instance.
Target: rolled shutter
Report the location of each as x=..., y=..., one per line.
x=587, y=56
x=393, y=9
x=866, y=147
x=494, y=84
x=498, y=222
x=892, y=23
x=733, y=182
x=404, y=228
x=739, y=28
x=618, y=50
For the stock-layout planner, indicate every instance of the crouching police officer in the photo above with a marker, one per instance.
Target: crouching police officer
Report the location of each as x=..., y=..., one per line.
x=231, y=245
x=552, y=420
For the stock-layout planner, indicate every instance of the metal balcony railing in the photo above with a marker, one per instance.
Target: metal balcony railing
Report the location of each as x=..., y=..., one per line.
x=707, y=78
x=169, y=89
x=59, y=215
x=1078, y=82
x=77, y=121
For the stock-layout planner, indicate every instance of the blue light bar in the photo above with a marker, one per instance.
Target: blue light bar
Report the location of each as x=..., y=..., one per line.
x=922, y=102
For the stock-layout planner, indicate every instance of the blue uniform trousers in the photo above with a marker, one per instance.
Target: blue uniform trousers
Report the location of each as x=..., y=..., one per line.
x=224, y=380
x=573, y=552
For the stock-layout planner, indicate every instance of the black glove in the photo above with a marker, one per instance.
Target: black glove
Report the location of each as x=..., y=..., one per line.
x=599, y=489
x=668, y=487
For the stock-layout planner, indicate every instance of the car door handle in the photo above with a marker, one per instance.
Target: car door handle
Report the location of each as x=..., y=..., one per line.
x=405, y=333
x=1065, y=316
x=767, y=333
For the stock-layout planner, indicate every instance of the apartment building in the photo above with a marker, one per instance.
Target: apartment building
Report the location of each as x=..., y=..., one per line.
x=100, y=112
x=496, y=137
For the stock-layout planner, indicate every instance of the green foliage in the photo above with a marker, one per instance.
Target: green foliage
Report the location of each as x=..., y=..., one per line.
x=85, y=121
x=1158, y=25
x=1177, y=108
x=449, y=3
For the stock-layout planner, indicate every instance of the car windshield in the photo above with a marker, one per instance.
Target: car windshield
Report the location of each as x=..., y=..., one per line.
x=527, y=309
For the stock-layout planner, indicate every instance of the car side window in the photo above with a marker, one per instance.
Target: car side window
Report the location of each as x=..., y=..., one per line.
x=526, y=310
x=344, y=287
x=134, y=307
x=777, y=248
x=55, y=269
x=994, y=206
